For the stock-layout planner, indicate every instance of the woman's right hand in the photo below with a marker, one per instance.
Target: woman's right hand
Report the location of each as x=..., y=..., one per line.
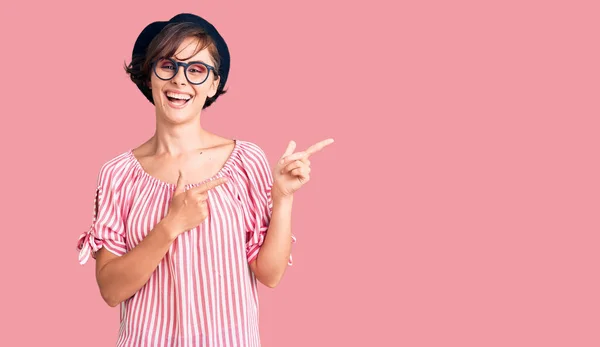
x=189, y=208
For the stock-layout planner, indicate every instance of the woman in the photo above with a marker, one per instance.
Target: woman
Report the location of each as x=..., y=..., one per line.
x=188, y=222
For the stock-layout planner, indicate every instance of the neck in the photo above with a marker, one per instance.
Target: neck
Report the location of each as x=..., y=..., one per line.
x=176, y=139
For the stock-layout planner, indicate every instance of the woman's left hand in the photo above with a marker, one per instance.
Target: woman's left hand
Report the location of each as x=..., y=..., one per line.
x=293, y=169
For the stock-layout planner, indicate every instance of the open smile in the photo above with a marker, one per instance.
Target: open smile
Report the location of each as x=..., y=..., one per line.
x=178, y=99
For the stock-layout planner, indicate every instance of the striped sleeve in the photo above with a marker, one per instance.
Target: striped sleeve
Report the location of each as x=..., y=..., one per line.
x=261, y=202
x=107, y=228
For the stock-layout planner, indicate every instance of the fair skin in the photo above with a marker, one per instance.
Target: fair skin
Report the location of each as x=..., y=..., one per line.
x=173, y=155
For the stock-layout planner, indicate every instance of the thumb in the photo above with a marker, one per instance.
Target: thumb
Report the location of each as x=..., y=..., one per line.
x=180, y=184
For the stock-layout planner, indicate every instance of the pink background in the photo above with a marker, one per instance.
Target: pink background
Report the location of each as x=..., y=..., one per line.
x=459, y=205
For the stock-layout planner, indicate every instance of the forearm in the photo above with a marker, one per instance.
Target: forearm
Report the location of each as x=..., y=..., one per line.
x=121, y=277
x=273, y=257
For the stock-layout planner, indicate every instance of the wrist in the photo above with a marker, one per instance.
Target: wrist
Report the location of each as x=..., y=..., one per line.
x=169, y=228
x=282, y=199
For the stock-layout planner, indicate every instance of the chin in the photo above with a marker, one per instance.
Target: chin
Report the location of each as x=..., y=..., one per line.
x=179, y=113
x=178, y=116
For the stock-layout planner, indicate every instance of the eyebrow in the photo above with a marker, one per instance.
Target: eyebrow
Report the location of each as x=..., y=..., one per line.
x=192, y=61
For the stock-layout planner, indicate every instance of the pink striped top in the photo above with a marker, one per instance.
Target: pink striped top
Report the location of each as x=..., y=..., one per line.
x=203, y=292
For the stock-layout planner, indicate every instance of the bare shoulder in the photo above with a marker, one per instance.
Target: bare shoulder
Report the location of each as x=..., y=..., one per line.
x=222, y=142
x=143, y=150
x=219, y=146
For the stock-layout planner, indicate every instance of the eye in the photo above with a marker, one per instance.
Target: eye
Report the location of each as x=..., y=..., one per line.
x=197, y=69
x=166, y=64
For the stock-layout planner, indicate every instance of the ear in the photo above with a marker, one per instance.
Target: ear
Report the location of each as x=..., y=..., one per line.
x=213, y=87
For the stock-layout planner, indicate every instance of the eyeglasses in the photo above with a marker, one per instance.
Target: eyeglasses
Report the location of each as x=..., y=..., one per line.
x=195, y=72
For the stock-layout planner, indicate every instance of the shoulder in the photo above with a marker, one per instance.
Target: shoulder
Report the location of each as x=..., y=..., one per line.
x=252, y=160
x=114, y=170
x=251, y=150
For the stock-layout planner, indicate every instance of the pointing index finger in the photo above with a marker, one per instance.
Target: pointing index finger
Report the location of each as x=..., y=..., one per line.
x=318, y=146
x=307, y=153
x=210, y=185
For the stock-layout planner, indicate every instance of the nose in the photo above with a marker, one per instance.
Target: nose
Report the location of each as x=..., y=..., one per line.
x=179, y=77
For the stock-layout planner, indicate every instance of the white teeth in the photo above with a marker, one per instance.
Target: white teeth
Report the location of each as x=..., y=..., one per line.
x=178, y=96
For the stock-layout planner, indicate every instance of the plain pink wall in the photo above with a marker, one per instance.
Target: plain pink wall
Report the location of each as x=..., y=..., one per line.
x=458, y=206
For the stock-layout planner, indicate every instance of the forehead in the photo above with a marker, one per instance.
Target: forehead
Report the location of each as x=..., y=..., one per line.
x=188, y=51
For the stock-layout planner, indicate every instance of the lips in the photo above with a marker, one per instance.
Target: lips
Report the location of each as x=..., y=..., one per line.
x=177, y=99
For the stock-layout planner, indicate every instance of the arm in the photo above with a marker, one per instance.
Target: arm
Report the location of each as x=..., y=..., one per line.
x=290, y=173
x=120, y=277
x=272, y=260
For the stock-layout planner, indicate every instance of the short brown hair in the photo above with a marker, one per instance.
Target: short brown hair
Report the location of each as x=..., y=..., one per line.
x=165, y=44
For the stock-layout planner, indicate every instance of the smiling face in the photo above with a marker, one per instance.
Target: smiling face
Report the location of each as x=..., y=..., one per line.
x=177, y=100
